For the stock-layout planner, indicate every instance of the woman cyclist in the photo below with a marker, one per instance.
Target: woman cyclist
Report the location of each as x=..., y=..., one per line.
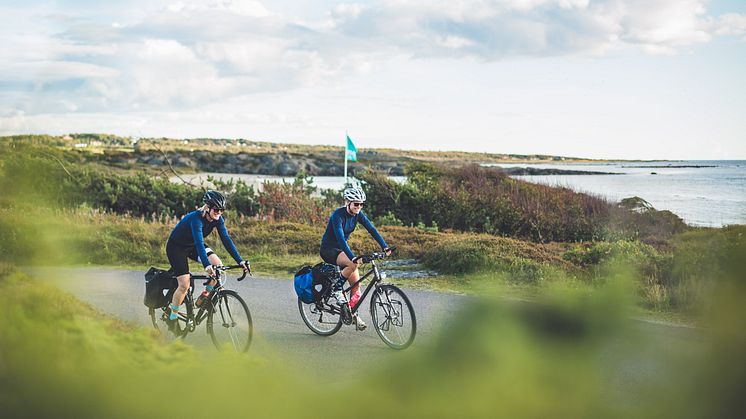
x=335, y=250
x=187, y=241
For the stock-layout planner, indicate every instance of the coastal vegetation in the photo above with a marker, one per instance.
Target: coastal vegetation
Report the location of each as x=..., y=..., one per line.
x=463, y=222
x=568, y=354
x=154, y=155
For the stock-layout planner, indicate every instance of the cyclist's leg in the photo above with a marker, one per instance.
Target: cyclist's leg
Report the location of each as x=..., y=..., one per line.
x=213, y=259
x=177, y=257
x=352, y=274
x=181, y=291
x=349, y=270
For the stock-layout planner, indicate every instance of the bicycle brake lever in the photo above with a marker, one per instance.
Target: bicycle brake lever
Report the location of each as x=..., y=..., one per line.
x=243, y=276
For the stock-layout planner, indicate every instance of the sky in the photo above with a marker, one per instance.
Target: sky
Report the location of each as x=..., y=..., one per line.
x=612, y=79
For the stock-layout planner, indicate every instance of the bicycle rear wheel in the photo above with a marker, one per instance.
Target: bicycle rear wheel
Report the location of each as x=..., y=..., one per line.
x=318, y=319
x=229, y=322
x=168, y=331
x=393, y=316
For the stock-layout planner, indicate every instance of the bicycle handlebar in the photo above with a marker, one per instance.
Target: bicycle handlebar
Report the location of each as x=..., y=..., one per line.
x=226, y=268
x=369, y=257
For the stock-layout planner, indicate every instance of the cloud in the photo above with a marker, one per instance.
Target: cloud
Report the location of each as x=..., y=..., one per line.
x=500, y=29
x=731, y=24
x=184, y=54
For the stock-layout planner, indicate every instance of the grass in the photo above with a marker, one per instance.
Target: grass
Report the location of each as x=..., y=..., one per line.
x=565, y=356
x=671, y=282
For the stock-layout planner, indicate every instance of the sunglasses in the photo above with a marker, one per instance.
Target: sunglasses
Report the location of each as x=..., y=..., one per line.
x=218, y=210
x=357, y=204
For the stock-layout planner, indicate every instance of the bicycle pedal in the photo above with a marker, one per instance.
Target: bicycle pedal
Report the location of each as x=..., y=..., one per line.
x=346, y=314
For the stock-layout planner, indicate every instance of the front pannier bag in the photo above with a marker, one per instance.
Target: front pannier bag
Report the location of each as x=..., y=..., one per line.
x=159, y=286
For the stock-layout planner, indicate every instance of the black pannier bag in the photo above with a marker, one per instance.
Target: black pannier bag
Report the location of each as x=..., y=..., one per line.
x=159, y=287
x=324, y=277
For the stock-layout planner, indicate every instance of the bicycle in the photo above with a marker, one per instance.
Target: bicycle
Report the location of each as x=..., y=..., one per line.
x=228, y=317
x=390, y=309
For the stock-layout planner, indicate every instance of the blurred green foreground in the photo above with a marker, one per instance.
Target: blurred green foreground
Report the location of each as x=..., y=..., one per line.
x=573, y=352
x=567, y=355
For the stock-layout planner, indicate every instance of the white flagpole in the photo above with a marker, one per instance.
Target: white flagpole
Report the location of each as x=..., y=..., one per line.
x=345, y=156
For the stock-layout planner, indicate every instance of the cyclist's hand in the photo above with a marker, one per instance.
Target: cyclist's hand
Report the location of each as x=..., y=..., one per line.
x=210, y=270
x=246, y=266
x=388, y=251
x=357, y=260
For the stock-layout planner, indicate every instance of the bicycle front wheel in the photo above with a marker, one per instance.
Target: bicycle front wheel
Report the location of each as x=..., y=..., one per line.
x=393, y=316
x=318, y=319
x=229, y=322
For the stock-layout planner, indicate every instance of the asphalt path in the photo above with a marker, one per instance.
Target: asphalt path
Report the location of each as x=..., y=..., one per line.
x=279, y=331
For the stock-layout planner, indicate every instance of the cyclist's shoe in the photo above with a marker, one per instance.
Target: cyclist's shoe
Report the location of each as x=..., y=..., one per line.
x=340, y=296
x=359, y=323
x=171, y=324
x=346, y=314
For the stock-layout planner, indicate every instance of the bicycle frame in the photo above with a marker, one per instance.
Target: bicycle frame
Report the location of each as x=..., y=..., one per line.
x=373, y=284
x=192, y=320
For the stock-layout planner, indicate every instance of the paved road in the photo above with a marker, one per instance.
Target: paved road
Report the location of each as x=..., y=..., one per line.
x=280, y=333
x=279, y=330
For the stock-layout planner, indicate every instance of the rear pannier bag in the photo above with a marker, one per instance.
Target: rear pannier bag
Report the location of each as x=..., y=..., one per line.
x=324, y=276
x=304, y=284
x=159, y=287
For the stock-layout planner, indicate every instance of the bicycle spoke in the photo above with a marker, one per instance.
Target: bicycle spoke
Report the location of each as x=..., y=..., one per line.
x=230, y=322
x=390, y=309
x=320, y=319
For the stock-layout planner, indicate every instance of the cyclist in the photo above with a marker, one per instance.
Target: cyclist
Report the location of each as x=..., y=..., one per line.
x=187, y=241
x=335, y=250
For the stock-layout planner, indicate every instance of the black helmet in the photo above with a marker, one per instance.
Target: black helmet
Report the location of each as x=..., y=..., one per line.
x=214, y=199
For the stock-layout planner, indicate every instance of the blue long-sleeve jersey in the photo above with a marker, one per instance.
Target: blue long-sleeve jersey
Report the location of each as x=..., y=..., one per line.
x=191, y=232
x=341, y=224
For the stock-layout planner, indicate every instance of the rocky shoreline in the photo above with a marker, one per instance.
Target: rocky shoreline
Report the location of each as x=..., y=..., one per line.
x=290, y=164
x=533, y=171
x=279, y=164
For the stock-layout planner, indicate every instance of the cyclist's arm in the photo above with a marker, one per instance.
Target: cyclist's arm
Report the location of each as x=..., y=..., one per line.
x=372, y=230
x=199, y=240
x=227, y=242
x=339, y=234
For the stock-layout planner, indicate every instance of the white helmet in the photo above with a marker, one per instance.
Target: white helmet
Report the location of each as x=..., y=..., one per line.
x=354, y=195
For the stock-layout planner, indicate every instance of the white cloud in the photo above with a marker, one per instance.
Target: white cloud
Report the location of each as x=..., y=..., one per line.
x=731, y=24
x=239, y=7
x=186, y=54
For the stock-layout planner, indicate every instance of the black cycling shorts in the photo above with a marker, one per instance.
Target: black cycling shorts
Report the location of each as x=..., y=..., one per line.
x=177, y=257
x=330, y=254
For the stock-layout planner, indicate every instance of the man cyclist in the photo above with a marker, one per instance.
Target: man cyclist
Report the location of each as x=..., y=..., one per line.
x=187, y=241
x=335, y=250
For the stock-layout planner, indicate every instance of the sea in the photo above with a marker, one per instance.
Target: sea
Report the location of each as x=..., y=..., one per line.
x=705, y=193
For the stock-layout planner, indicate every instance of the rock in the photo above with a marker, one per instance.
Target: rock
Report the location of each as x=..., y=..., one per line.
x=636, y=204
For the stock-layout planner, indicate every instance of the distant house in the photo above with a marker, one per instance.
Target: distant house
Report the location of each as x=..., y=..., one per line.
x=81, y=145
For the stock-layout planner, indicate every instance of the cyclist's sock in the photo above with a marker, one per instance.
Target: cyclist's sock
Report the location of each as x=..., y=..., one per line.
x=355, y=298
x=174, y=312
x=209, y=288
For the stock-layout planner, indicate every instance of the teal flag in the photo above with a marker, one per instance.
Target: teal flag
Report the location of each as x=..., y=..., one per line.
x=351, y=150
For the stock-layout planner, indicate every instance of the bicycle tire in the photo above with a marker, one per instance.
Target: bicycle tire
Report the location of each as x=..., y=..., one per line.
x=389, y=307
x=313, y=317
x=229, y=322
